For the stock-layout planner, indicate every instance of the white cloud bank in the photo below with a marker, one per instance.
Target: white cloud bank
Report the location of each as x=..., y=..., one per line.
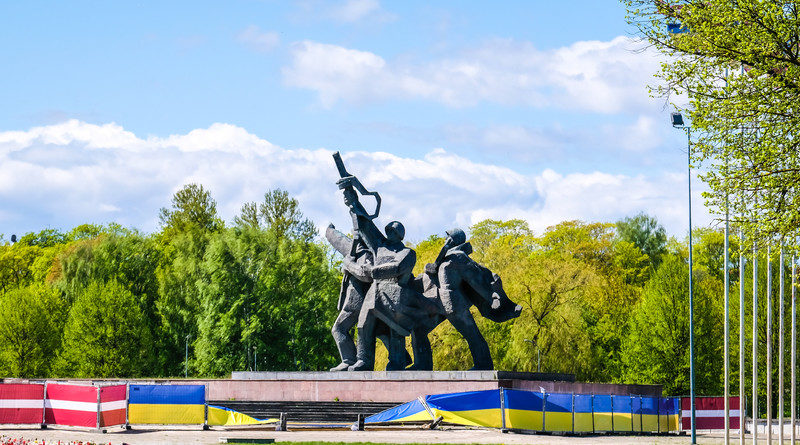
x=75, y=172
x=604, y=77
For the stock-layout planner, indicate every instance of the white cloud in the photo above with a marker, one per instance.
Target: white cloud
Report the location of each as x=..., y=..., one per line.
x=604, y=77
x=642, y=135
x=66, y=174
x=258, y=40
x=355, y=10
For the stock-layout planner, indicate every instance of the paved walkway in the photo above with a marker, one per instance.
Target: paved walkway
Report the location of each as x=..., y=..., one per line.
x=454, y=435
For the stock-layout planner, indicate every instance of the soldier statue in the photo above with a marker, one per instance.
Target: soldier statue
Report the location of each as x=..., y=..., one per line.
x=382, y=298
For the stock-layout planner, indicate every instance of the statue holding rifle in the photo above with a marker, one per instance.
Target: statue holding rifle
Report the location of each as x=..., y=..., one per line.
x=381, y=297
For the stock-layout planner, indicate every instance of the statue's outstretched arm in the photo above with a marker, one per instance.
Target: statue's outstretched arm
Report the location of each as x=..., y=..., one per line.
x=341, y=242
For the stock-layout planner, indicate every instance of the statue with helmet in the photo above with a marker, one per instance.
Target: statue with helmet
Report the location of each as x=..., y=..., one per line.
x=382, y=298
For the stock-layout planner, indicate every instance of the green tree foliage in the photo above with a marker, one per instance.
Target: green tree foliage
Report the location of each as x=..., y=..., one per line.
x=45, y=238
x=187, y=228
x=280, y=213
x=106, y=335
x=130, y=260
x=261, y=290
x=193, y=209
x=646, y=233
x=30, y=334
x=656, y=351
x=739, y=64
x=17, y=265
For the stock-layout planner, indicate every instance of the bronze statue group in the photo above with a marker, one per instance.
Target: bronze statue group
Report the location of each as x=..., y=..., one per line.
x=381, y=297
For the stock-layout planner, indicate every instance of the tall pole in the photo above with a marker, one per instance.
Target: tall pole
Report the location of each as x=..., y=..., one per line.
x=780, y=348
x=726, y=323
x=769, y=344
x=691, y=293
x=742, y=407
x=726, y=348
x=755, y=342
x=793, y=400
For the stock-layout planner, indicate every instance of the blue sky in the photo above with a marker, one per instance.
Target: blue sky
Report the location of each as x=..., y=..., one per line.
x=456, y=111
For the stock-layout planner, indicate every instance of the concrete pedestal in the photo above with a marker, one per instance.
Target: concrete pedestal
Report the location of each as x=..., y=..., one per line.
x=397, y=386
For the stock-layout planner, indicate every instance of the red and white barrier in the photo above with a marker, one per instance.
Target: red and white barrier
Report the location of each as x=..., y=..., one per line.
x=709, y=413
x=21, y=403
x=113, y=405
x=70, y=405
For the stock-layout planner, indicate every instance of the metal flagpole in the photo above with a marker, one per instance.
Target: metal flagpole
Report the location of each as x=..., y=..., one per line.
x=780, y=347
x=769, y=344
x=742, y=408
x=793, y=399
x=726, y=343
x=726, y=348
x=691, y=294
x=755, y=342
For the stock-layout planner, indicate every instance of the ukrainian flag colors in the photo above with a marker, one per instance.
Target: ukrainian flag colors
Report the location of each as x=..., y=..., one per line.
x=524, y=409
x=647, y=409
x=672, y=408
x=601, y=407
x=558, y=412
x=221, y=416
x=477, y=408
x=623, y=413
x=413, y=411
x=584, y=420
x=166, y=404
x=538, y=411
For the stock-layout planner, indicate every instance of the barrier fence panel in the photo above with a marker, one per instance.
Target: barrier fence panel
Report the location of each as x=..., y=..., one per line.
x=538, y=411
x=21, y=403
x=710, y=413
x=636, y=414
x=674, y=410
x=603, y=413
x=166, y=404
x=622, y=408
x=479, y=408
x=558, y=412
x=70, y=405
x=583, y=413
x=113, y=405
x=222, y=416
x=524, y=409
x=649, y=414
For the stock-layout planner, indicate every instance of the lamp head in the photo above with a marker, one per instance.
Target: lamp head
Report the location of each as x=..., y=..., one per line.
x=677, y=120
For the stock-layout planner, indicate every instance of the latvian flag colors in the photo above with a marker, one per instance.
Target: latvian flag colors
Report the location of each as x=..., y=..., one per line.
x=709, y=413
x=74, y=405
x=113, y=405
x=21, y=403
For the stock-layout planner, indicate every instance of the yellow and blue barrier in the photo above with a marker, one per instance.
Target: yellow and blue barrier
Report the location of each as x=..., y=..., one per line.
x=413, y=411
x=167, y=404
x=221, y=416
x=622, y=413
x=523, y=409
x=476, y=408
x=540, y=411
x=584, y=413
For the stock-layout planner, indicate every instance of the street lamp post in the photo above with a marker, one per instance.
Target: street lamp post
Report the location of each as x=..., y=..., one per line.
x=677, y=122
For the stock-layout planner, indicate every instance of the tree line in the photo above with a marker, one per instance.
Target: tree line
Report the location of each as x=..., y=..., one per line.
x=605, y=301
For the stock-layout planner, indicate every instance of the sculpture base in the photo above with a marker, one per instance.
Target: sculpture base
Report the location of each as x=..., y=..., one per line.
x=397, y=386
